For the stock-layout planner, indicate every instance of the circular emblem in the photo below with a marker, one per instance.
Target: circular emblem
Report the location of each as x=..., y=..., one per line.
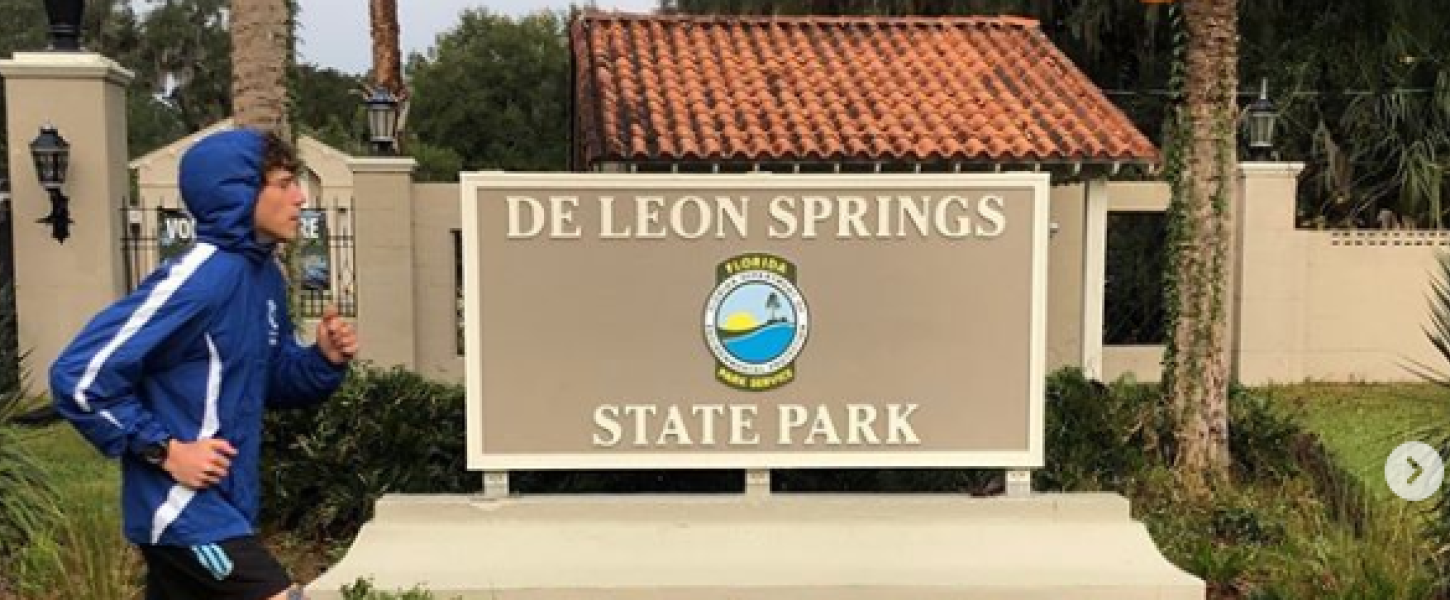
x=756, y=322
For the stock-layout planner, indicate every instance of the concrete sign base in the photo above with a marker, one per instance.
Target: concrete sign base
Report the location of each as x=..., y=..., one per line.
x=777, y=547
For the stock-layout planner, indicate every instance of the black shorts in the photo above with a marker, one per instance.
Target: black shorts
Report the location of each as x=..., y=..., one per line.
x=236, y=569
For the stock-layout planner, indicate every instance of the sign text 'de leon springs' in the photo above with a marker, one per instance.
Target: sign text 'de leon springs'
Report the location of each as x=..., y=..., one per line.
x=636, y=321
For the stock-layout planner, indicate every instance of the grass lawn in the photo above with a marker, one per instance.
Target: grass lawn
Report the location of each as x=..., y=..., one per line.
x=88, y=486
x=1363, y=423
x=83, y=555
x=78, y=470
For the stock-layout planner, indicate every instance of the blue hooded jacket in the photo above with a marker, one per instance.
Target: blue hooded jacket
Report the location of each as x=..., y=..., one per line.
x=201, y=347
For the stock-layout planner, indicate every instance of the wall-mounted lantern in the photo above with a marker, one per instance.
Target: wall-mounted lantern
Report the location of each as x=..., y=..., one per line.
x=382, y=120
x=51, y=154
x=1260, y=121
x=65, y=24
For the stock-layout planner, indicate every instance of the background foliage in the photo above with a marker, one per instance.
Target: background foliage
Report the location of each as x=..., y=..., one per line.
x=1364, y=85
x=384, y=431
x=495, y=91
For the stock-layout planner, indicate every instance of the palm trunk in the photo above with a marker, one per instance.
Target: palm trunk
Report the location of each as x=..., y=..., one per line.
x=387, y=58
x=261, y=42
x=1196, y=369
x=261, y=58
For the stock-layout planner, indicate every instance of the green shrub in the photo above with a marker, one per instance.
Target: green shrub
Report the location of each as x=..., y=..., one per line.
x=1292, y=523
x=385, y=431
x=1098, y=436
x=1260, y=434
x=363, y=589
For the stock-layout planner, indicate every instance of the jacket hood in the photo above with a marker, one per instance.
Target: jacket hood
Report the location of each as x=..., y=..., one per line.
x=221, y=176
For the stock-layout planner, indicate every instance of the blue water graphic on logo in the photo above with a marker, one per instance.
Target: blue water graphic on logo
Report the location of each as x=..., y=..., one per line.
x=756, y=323
x=762, y=345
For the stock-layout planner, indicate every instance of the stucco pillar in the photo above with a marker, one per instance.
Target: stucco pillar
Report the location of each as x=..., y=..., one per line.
x=59, y=286
x=1266, y=325
x=1094, y=276
x=383, y=221
x=1064, y=278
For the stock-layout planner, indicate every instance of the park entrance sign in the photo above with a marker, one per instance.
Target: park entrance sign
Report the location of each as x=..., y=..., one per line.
x=754, y=321
x=629, y=321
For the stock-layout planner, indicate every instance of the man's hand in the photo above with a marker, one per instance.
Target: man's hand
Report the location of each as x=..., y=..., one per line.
x=335, y=337
x=200, y=464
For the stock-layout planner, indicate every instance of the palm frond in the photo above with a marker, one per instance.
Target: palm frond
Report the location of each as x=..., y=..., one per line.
x=1438, y=330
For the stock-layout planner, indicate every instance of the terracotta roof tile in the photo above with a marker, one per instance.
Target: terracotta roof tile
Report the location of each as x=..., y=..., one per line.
x=666, y=88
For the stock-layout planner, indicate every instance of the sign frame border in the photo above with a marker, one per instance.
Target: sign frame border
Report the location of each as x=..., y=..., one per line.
x=470, y=183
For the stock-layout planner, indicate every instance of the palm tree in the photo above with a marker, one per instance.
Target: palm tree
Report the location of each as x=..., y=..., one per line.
x=261, y=54
x=772, y=304
x=1201, y=169
x=387, y=58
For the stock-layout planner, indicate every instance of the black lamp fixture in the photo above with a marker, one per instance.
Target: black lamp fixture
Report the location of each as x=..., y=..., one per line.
x=1262, y=116
x=65, y=24
x=382, y=120
x=4, y=195
x=51, y=154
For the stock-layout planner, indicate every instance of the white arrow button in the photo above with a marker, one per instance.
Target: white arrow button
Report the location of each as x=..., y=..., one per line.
x=1414, y=471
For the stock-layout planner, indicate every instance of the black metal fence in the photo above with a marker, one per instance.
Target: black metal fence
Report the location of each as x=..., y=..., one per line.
x=323, y=253
x=1134, y=311
x=10, y=366
x=458, y=290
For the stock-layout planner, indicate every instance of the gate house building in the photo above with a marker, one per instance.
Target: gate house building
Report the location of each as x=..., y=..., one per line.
x=817, y=94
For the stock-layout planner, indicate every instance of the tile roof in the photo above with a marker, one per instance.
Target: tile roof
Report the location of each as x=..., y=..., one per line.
x=914, y=89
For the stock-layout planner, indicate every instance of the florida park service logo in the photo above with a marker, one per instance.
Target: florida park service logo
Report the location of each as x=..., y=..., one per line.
x=756, y=322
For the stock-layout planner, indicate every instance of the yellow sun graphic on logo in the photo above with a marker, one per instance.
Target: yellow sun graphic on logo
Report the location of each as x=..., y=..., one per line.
x=741, y=321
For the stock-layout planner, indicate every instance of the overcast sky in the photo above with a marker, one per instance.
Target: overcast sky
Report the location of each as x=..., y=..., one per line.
x=334, y=33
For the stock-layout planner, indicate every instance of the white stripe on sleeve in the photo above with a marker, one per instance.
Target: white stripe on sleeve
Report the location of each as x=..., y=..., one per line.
x=211, y=420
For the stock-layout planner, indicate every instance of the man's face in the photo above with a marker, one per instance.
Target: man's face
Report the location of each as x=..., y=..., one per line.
x=279, y=205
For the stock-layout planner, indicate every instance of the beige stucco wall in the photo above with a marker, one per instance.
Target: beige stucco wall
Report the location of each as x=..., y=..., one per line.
x=1269, y=300
x=1304, y=305
x=436, y=214
x=383, y=207
x=1064, y=277
x=1338, y=306
x=1307, y=305
x=1367, y=298
x=1139, y=196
